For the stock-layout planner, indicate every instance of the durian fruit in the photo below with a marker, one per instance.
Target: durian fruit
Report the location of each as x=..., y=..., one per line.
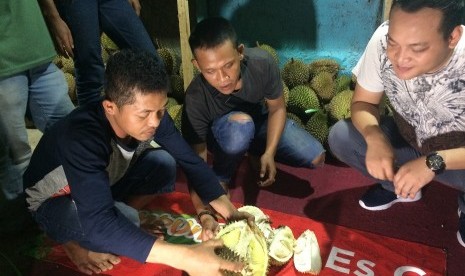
x=171, y=60
x=385, y=107
x=175, y=112
x=229, y=255
x=270, y=50
x=301, y=98
x=57, y=61
x=307, y=258
x=108, y=44
x=171, y=102
x=67, y=65
x=339, y=106
x=262, y=221
x=295, y=72
x=318, y=126
x=343, y=82
x=295, y=118
x=105, y=55
x=71, y=87
x=324, y=65
x=323, y=84
x=281, y=248
x=177, y=88
x=249, y=244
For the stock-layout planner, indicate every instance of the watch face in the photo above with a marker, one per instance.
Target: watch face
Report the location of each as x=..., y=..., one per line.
x=435, y=162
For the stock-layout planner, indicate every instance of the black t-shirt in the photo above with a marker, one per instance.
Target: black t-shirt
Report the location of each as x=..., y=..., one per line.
x=203, y=103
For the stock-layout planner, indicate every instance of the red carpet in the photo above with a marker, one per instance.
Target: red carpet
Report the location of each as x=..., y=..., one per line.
x=344, y=251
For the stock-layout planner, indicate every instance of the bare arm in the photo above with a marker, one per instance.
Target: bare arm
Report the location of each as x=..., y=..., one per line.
x=275, y=127
x=58, y=28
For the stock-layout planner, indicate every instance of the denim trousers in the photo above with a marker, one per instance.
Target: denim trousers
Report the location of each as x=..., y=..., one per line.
x=153, y=173
x=86, y=20
x=229, y=140
x=349, y=146
x=43, y=93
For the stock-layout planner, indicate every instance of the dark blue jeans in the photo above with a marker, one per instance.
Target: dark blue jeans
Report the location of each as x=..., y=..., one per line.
x=153, y=173
x=348, y=145
x=229, y=140
x=86, y=20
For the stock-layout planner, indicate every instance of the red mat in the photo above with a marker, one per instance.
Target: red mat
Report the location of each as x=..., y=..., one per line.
x=344, y=251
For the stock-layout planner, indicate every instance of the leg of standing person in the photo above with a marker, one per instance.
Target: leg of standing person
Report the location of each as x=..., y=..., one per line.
x=83, y=20
x=230, y=139
x=49, y=100
x=120, y=22
x=14, y=145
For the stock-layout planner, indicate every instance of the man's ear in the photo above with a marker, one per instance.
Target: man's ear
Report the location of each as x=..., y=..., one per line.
x=194, y=61
x=240, y=50
x=455, y=36
x=109, y=107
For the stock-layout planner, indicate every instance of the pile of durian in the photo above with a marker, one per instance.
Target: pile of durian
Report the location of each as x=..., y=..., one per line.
x=263, y=246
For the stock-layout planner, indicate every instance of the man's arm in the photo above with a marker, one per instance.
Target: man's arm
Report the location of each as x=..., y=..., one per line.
x=58, y=29
x=275, y=127
x=365, y=117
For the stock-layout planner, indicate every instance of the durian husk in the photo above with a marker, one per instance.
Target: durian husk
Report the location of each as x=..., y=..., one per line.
x=262, y=221
x=307, y=258
x=249, y=244
x=281, y=248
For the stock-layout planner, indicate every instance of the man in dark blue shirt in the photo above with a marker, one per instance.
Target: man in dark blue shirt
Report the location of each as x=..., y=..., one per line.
x=91, y=172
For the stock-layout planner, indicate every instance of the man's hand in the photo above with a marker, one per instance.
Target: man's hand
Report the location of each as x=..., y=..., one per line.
x=411, y=177
x=267, y=170
x=136, y=6
x=62, y=38
x=210, y=227
x=237, y=215
x=380, y=158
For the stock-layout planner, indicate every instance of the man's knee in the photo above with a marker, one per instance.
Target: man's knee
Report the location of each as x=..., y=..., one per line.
x=238, y=134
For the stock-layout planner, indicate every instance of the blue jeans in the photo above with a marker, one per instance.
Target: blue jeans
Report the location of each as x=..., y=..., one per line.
x=229, y=140
x=86, y=19
x=41, y=90
x=348, y=145
x=153, y=173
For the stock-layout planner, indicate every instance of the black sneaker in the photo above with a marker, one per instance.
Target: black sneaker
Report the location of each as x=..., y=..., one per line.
x=377, y=198
x=461, y=232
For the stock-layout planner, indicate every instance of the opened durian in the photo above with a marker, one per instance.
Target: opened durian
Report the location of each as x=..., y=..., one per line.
x=262, y=221
x=282, y=246
x=307, y=258
x=248, y=244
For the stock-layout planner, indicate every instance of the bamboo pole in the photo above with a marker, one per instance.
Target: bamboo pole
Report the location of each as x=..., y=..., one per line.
x=184, y=33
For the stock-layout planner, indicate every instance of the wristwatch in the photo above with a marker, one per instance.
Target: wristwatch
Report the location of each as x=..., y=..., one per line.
x=435, y=162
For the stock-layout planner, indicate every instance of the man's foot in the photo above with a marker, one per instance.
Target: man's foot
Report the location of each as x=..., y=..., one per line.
x=88, y=261
x=461, y=232
x=377, y=198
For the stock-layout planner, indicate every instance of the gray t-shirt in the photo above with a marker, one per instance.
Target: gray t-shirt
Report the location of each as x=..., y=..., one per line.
x=261, y=80
x=428, y=109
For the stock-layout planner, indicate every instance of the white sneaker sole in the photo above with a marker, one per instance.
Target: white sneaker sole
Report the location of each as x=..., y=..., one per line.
x=388, y=205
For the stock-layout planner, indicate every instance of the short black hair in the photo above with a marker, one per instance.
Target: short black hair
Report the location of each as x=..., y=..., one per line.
x=452, y=11
x=212, y=32
x=130, y=71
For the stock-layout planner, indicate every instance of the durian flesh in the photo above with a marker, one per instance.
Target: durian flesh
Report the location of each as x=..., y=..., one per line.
x=282, y=246
x=247, y=243
x=307, y=258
